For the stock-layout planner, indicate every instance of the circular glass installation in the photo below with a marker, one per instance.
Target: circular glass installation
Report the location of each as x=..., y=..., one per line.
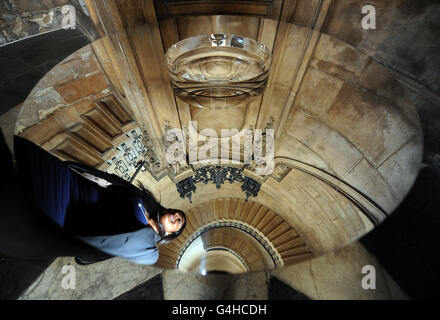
x=218, y=71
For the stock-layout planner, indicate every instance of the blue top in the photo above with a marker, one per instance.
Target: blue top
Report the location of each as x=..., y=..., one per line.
x=139, y=246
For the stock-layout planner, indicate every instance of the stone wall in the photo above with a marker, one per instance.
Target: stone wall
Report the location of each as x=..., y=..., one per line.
x=354, y=119
x=405, y=42
x=77, y=81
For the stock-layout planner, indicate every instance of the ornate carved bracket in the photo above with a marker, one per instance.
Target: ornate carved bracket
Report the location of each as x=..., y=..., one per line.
x=217, y=175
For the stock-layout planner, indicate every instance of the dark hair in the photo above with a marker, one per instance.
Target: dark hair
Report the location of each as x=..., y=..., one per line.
x=168, y=238
x=156, y=211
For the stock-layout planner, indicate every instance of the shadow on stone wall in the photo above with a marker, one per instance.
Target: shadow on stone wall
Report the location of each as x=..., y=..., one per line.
x=406, y=244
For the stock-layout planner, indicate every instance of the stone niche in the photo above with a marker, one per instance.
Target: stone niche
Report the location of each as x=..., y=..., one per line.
x=219, y=118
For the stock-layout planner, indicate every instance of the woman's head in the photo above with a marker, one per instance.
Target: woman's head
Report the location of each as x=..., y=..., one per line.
x=173, y=220
x=171, y=223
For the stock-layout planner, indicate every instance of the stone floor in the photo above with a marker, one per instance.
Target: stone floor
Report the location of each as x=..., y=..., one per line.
x=149, y=290
x=100, y=281
x=334, y=276
x=17, y=275
x=250, y=286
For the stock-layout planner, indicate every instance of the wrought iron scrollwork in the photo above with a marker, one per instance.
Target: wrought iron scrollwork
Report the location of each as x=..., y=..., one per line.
x=121, y=168
x=251, y=187
x=137, y=143
x=218, y=175
x=186, y=187
x=131, y=156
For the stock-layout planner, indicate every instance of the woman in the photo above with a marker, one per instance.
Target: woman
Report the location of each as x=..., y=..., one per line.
x=102, y=210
